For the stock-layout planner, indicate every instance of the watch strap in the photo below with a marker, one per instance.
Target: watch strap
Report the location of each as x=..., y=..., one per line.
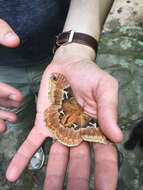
x=76, y=37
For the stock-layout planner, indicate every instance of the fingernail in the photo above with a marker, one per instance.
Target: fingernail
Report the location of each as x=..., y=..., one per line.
x=13, y=97
x=10, y=36
x=11, y=174
x=9, y=119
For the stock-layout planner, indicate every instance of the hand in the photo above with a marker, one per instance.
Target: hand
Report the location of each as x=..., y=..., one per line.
x=9, y=98
x=97, y=92
x=7, y=36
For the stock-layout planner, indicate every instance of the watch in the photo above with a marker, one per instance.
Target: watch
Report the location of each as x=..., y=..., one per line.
x=75, y=37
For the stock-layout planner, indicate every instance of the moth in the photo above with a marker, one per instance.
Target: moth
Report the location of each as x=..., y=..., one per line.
x=66, y=118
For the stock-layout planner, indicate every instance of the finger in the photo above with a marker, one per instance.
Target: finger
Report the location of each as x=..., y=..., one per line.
x=3, y=126
x=9, y=92
x=79, y=167
x=107, y=102
x=106, y=170
x=9, y=116
x=24, y=154
x=9, y=103
x=56, y=169
x=7, y=36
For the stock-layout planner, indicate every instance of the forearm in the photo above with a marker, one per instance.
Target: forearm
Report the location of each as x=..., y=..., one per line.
x=87, y=16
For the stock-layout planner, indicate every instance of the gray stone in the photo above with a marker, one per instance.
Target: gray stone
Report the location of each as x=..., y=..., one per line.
x=122, y=50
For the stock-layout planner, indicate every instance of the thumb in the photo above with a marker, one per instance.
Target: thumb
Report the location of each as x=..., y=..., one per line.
x=7, y=36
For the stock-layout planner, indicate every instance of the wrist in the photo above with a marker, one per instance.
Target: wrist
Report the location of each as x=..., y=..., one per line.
x=76, y=50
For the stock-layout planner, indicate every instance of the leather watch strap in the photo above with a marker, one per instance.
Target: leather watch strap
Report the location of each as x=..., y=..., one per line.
x=76, y=37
